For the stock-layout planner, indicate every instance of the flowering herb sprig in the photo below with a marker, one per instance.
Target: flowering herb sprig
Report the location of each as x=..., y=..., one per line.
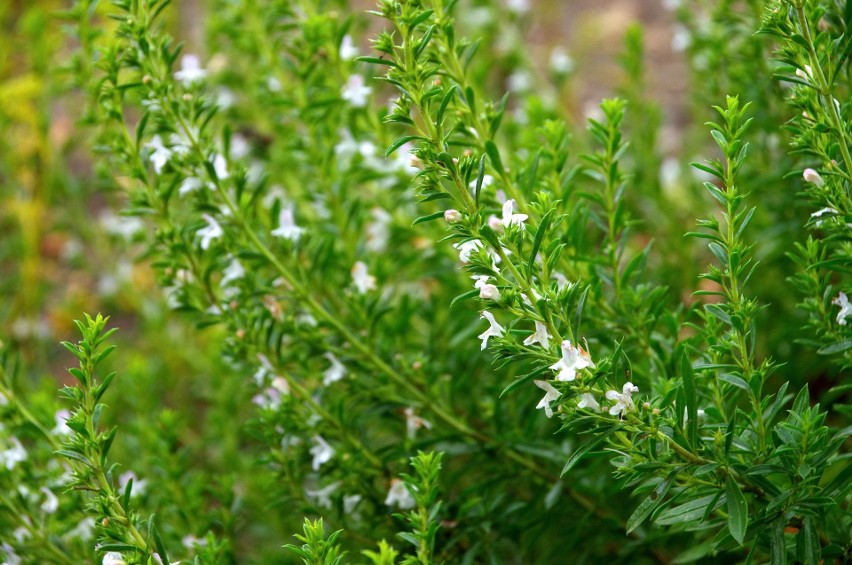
x=123, y=537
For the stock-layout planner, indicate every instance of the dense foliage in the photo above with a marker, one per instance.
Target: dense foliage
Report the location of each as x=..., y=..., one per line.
x=365, y=296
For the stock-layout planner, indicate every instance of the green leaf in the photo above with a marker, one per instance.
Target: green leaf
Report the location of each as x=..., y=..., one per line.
x=402, y=141
x=688, y=375
x=74, y=455
x=539, y=236
x=737, y=511
x=377, y=61
x=838, y=347
x=480, y=176
x=466, y=296
x=654, y=499
x=494, y=154
x=428, y=218
x=581, y=451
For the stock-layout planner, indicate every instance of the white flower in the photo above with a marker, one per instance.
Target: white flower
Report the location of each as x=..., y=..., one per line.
x=573, y=359
x=398, y=494
x=414, y=423
x=61, y=428
x=12, y=558
x=806, y=73
x=287, y=227
x=210, y=232
x=348, y=50
x=321, y=451
x=561, y=62
x=540, y=336
x=481, y=280
x=845, y=308
x=113, y=558
x=139, y=485
x=452, y=216
x=123, y=226
x=233, y=272
x=466, y=248
x=550, y=394
x=494, y=329
x=812, y=177
x=350, y=501
x=84, y=530
x=51, y=503
x=489, y=292
x=378, y=231
x=334, y=373
x=220, y=166
x=824, y=211
x=189, y=184
x=190, y=70
x=189, y=541
x=487, y=180
x=494, y=223
x=624, y=399
x=561, y=280
x=518, y=6
x=588, y=401
x=363, y=280
x=509, y=218
x=13, y=455
x=322, y=497
x=355, y=91
x=161, y=154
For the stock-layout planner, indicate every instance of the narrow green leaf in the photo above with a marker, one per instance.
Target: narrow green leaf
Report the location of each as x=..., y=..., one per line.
x=688, y=375
x=581, y=451
x=539, y=236
x=737, y=511
x=428, y=218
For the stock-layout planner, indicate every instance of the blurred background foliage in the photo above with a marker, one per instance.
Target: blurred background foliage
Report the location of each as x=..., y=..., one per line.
x=67, y=250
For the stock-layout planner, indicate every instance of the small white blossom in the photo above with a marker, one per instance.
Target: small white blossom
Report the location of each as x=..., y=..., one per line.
x=61, y=428
x=452, y=216
x=210, y=232
x=190, y=70
x=495, y=223
x=84, y=530
x=494, y=329
x=350, y=501
x=322, y=497
x=363, y=280
x=355, y=91
x=113, y=558
x=348, y=49
x=623, y=399
x=233, y=272
x=588, y=401
x=540, y=336
x=561, y=62
x=13, y=455
x=806, y=73
x=139, y=485
x=466, y=248
x=189, y=184
x=123, y=226
x=220, y=166
x=518, y=6
x=813, y=177
x=573, y=359
x=51, y=503
x=334, y=373
x=414, y=423
x=845, y=308
x=823, y=212
x=287, y=227
x=12, y=558
x=378, y=231
x=322, y=453
x=399, y=495
x=550, y=394
x=489, y=292
x=161, y=154
x=510, y=218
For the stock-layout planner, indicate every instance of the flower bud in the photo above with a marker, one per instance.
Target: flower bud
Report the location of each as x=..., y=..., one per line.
x=489, y=292
x=452, y=215
x=813, y=177
x=494, y=223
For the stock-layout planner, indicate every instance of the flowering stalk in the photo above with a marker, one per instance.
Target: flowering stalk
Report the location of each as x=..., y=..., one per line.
x=88, y=448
